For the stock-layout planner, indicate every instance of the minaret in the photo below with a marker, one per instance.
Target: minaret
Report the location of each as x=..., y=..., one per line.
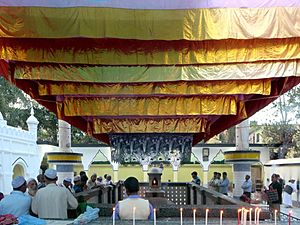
x=32, y=123
x=2, y=121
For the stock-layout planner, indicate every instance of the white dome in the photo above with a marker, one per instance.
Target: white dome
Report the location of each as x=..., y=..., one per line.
x=31, y=119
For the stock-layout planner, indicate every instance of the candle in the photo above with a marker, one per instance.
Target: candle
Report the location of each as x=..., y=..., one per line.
x=255, y=215
x=194, y=216
x=245, y=216
x=133, y=215
x=290, y=215
x=181, y=220
x=239, y=218
x=154, y=216
x=206, y=216
x=242, y=216
x=258, y=212
x=275, y=214
x=250, y=216
x=221, y=217
x=113, y=216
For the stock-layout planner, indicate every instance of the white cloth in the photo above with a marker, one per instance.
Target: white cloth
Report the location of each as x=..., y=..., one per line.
x=287, y=198
x=142, y=211
x=52, y=202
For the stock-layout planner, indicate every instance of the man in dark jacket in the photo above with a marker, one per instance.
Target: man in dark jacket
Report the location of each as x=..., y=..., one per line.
x=274, y=204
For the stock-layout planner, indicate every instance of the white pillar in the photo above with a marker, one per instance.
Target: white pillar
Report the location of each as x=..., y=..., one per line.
x=145, y=162
x=175, y=175
x=175, y=162
x=64, y=143
x=241, y=170
x=115, y=167
x=64, y=134
x=205, y=178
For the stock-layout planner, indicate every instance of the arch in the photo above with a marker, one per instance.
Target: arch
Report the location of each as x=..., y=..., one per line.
x=19, y=167
x=18, y=170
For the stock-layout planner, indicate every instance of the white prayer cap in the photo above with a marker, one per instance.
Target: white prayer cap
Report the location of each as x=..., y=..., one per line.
x=68, y=179
x=18, y=182
x=51, y=174
x=77, y=178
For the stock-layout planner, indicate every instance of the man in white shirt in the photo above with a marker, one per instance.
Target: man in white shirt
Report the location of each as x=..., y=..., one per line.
x=17, y=203
x=289, y=188
x=143, y=209
x=52, y=202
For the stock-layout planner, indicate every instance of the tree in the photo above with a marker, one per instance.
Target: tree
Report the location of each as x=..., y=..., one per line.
x=284, y=130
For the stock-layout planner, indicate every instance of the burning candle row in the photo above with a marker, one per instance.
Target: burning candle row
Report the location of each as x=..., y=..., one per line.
x=242, y=216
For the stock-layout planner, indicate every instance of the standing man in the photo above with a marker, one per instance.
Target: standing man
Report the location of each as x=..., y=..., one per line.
x=223, y=185
x=17, y=203
x=274, y=204
x=247, y=187
x=289, y=188
x=196, y=179
x=52, y=202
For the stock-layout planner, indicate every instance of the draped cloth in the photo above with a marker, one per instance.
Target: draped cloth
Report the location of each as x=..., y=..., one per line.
x=151, y=67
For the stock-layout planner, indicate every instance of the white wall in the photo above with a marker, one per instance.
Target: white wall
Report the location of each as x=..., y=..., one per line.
x=17, y=146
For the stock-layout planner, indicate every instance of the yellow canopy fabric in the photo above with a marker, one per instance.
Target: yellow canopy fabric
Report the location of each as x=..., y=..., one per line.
x=113, y=70
x=190, y=24
x=151, y=53
x=230, y=87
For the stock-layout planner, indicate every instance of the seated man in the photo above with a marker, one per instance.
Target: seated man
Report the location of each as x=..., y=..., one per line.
x=17, y=203
x=124, y=209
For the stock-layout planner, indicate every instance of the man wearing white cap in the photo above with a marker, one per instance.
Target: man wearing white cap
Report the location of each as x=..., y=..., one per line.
x=67, y=183
x=52, y=202
x=17, y=203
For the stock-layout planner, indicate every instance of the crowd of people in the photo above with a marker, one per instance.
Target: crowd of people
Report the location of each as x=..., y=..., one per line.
x=44, y=198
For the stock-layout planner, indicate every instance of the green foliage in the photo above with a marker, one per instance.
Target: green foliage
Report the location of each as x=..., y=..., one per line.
x=285, y=130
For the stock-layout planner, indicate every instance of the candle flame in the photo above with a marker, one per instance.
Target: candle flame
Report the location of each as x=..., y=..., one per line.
x=239, y=210
x=194, y=210
x=276, y=210
x=207, y=210
x=221, y=211
x=181, y=209
x=114, y=209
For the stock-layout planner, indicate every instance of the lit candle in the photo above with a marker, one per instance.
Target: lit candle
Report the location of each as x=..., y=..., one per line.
x=242, y=216
x=258, y=212
x=239, y=218
x=250, y=216
x=255, y=215
x=154, y=216
x=181, y=219
x=245, y=216
x=133, y=215
x=194, y=216
x=290, y=215
x=206, y=216
x=275, y=214
x=221, y=217
x=113, y=216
